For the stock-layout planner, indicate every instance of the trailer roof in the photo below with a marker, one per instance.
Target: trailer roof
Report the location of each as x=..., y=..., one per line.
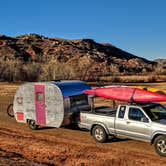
x=71, y=88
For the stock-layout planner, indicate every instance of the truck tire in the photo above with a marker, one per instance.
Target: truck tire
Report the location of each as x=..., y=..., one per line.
x=99, y=134
x=160, y=145
x=32, y=125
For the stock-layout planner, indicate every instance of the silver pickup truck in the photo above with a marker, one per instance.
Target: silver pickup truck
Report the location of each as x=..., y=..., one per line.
x=145, y=122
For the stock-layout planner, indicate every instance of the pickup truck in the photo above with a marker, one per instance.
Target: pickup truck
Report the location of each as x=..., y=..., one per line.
x=144, y=121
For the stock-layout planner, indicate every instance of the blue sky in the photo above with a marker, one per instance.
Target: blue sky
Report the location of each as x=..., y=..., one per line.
x=137, y=26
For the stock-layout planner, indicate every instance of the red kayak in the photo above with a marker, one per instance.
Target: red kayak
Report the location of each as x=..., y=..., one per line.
x=128, y=94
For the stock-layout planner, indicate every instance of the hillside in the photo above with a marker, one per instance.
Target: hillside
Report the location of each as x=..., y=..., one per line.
x=100, y=57
x=161, y=62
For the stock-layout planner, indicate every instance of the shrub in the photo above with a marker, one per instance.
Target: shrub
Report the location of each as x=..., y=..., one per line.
x=56, y=71
x=10, y=70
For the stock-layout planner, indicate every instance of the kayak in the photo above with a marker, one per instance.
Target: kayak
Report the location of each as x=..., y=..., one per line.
x=127, y=94
x=151, y=89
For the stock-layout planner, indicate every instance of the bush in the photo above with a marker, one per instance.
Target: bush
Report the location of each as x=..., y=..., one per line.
x=10, y=70
x=56, y=71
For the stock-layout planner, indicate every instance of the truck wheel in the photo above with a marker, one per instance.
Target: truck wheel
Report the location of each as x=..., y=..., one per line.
x=32, y=125
x=160, y=145
x=99, y=134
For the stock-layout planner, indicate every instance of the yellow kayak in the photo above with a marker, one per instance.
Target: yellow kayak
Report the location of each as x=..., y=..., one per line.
x=151, y=89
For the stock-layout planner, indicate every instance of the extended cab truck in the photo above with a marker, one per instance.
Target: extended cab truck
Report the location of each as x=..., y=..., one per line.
x=145, y=122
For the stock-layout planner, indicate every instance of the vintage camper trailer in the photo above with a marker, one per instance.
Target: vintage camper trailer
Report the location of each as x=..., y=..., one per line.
x=52, y=104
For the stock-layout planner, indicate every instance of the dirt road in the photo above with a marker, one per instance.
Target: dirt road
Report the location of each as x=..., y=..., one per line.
x=50, y=146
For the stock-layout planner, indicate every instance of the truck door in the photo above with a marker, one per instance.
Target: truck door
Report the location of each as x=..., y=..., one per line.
x=120, y=122
x=40, y=104
x=137, y=124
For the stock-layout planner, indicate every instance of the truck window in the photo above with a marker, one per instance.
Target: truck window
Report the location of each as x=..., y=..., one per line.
x=155, y=112
x=135, y=114
x=122, y=112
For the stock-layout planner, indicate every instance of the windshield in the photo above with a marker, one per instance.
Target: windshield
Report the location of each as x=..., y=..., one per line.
x=156, y=112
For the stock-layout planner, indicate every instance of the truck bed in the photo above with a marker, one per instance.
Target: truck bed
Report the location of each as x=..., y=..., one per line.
x=101, y=111
x=105, y=111
x=99, y=115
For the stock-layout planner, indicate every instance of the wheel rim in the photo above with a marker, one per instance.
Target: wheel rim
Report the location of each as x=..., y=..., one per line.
x=32, y=123
x=161, y=145
x=99, y=134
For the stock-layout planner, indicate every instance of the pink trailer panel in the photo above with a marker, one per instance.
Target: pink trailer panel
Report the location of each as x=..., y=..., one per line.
x=40, y=104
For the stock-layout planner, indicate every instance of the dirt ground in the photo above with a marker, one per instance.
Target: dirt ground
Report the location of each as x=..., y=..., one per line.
x=21, y=146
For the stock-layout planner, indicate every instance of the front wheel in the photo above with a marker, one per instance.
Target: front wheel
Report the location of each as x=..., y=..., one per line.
x=160, y=145
x=99, y=134
x=32, y=125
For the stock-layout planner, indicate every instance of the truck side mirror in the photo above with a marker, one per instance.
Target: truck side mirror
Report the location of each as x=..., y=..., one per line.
x=144, y=119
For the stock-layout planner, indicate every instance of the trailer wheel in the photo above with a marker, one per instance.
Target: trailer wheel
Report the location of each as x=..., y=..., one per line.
x=160, y=145
x=10, y=111
x=99, y=134
x=32, y=125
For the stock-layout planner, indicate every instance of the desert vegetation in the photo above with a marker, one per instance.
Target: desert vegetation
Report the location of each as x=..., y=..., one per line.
x=14, y=70
x=37, y=58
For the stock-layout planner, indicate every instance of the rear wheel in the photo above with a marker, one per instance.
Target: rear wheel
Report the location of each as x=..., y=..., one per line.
x=160, y=145
x=99, y=134
x=32, y=125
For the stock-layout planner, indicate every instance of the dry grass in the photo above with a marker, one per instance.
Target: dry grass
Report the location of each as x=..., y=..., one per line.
x=8, y=89
x=84, y=68
x=134, y=78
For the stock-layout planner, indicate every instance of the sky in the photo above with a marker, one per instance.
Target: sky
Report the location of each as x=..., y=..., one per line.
x=136, y=26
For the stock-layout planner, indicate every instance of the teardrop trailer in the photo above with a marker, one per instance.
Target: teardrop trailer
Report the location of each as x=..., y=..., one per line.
x=52, y=104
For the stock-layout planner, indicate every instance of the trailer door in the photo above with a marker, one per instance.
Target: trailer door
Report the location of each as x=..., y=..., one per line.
x=40, y=104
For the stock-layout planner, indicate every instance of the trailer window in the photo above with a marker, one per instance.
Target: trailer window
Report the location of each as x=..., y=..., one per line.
x=78, y=100
x=39, y=96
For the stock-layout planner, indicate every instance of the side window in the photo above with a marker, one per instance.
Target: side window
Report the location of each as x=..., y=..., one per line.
x=122, y=112
x=135, y=114
x=79, y=100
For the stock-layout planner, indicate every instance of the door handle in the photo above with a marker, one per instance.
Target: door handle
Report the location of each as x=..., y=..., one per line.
x=128, y=122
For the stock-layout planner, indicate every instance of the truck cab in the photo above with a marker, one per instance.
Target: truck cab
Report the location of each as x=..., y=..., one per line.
x=133, y=122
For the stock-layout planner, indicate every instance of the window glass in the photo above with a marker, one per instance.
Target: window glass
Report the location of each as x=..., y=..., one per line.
x=122, y=112
x=39, y=96
x=156, y=112
x=135, y=114
x=78, y=100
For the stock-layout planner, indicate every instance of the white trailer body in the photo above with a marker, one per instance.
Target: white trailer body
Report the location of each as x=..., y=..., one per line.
x=49, y=103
